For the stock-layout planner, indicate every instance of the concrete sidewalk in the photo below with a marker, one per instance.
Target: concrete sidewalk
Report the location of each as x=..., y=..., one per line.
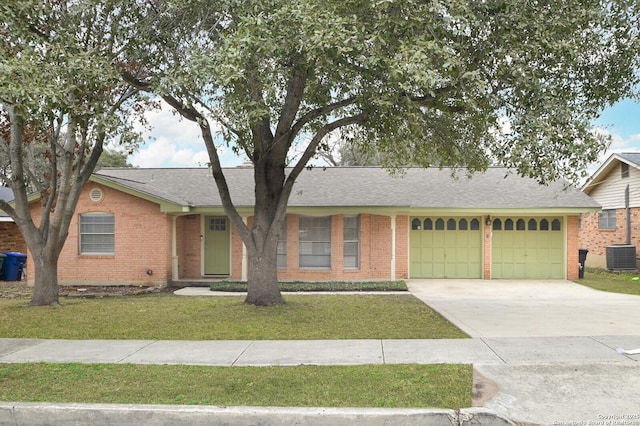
x=485, y=351
x=535, y=380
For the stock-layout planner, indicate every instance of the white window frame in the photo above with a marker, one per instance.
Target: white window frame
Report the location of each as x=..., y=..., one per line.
x=103, y=234
x=351, y=261
x=607, y=219
x=314, y=242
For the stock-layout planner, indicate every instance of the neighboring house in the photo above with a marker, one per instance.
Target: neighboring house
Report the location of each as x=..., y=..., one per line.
x=10, y=236
x=155, y=226
x=615, y=186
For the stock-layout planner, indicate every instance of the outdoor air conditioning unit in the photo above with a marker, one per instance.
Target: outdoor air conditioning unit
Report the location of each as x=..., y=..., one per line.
x=621, y=257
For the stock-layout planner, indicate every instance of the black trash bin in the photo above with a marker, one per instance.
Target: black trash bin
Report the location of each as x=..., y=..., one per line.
x=582, y=258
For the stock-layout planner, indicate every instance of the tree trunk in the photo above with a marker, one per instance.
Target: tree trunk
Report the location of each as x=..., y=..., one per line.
x=262, y=278
x=45, y=290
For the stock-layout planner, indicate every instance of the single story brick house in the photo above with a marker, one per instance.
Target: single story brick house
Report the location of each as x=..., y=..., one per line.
x=615, y=185
x=158, y=226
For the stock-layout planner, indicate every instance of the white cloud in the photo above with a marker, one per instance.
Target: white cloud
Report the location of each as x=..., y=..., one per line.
x=175, y=142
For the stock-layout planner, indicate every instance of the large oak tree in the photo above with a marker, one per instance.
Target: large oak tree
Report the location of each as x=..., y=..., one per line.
x=62, y=100
x=458, y=83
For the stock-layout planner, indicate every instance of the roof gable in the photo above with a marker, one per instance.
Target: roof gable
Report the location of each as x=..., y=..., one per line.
x=356, y=187
x=630, y=158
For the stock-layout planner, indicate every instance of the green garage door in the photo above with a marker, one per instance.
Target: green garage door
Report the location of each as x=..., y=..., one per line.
x=445, y=247
x=527, y=248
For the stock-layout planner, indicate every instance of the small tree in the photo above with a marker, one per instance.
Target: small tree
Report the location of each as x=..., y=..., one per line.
x=63, y=100
x=112, y=158
x=424, y=82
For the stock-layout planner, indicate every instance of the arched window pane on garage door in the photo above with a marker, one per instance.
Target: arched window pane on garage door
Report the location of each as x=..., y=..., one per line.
x=497, y=225
x=508, y=225
x=533, y=225
x=451, y=225
x=475, y=224
x=428, y=224
x=439, y=224
x=463, y=225
x=520, y=225
x=544, y=225
x=555, y=225
x=415, y=224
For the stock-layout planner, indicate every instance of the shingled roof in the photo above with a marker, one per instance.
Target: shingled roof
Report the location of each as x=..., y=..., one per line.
x=357, y=187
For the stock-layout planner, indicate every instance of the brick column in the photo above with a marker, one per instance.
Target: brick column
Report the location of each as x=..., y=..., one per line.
x=486, y=236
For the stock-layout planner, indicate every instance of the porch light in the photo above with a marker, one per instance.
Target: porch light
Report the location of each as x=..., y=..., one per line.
x=488, y=221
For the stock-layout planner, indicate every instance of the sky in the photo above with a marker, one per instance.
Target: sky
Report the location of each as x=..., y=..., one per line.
x=174, y=142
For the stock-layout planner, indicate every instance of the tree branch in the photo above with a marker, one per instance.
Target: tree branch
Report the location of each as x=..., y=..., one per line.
x=292, y=101
x=319, y=112
x=310, y=152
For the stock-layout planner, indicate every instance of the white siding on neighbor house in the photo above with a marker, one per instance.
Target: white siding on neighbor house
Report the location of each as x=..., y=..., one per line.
x=609, y=193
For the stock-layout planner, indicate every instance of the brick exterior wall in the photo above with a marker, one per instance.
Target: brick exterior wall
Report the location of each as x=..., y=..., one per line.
x=236, y=254
x=596, y=240
x=402, y=247
x=375, y=251
x=11, y=238
x=573, y=267
x=486, y=270
x=142, y=243
x=188, y=246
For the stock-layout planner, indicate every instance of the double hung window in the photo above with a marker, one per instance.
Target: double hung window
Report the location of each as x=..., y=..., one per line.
x=97, y=233
x=351, y=242
x=608, y=219
x=314, y=239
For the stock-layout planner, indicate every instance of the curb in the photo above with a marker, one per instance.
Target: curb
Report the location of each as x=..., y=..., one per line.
x=27, y=414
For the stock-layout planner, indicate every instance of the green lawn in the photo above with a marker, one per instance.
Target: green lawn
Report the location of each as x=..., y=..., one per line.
x=170, y=317
x=391, y=386
x=600, y=279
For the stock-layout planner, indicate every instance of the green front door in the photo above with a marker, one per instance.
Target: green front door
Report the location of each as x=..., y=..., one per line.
x=217, y=252
x=527, y=248
x=445, y=247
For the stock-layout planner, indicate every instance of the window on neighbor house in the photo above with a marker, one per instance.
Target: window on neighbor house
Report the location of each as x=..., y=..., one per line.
x=97, y=233
x=351, y=241
x=314, y=242
x=282, y=246
x=624, y=170
x=608, y=219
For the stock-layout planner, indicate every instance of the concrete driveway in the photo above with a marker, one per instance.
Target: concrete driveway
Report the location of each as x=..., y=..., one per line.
x=560, y=389
x=530, y=308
